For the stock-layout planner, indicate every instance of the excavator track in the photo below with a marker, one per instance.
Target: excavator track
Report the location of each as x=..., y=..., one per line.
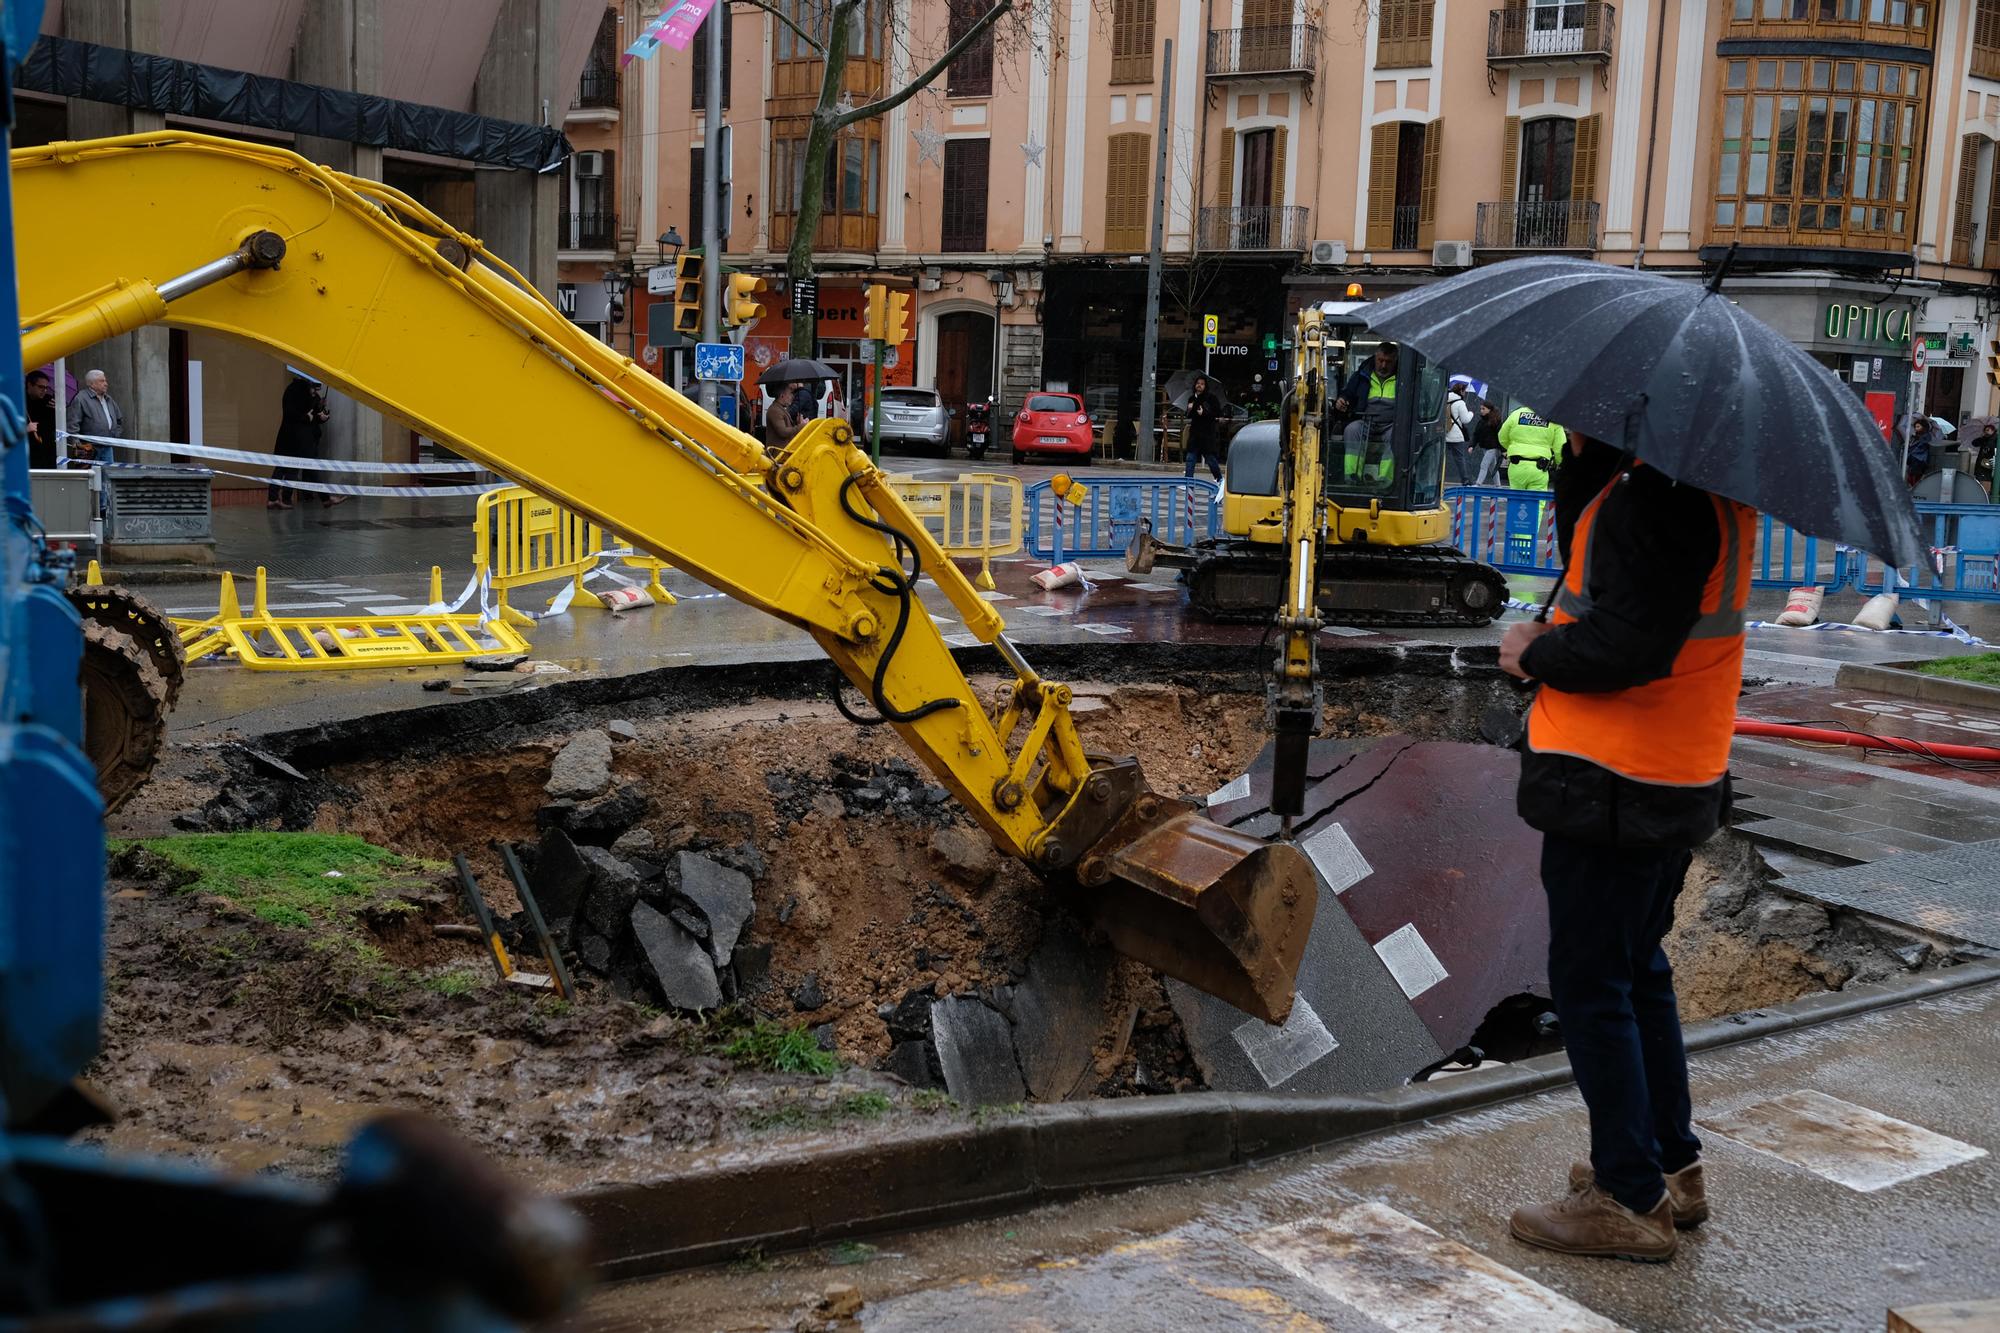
x=1417, y=586
x=124, y=711
x=142, y=622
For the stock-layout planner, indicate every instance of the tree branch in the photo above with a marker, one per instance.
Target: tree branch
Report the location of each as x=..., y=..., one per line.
x=882, y=106
x=786, y=19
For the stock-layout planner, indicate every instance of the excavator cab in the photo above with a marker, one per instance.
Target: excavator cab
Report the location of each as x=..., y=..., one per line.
x=1384, y=556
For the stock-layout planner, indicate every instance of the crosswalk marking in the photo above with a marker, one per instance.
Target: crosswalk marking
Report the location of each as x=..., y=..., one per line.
x=1839, y=1141
x=1105, y=630
x=1408, y=1278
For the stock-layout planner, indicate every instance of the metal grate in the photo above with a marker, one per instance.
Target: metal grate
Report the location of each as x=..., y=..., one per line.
x=157, y=505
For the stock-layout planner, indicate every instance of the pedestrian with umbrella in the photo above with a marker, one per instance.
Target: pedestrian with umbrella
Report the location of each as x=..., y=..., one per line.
x=1204, y=423
x=785, y=381
x=1686, y=417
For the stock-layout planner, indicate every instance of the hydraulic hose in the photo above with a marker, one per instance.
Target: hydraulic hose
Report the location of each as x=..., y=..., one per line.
x=1978, y=754
x=893, y=580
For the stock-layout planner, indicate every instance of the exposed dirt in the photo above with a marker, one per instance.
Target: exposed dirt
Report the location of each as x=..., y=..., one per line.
x=236, y=1039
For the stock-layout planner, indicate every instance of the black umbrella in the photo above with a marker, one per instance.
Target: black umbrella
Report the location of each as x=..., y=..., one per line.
x=1180, y=387
x=1675, y=372
x=798, y=370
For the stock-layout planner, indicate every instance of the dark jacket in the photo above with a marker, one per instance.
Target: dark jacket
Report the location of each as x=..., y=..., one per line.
x=1204, y=413
x=299, y=418
x=42, y=449
x=1355, y=390
x=1654, y=545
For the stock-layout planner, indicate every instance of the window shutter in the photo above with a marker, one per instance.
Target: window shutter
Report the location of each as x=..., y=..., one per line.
x=1961, y=214
x=1278, y=166
x=1225, y=181
x=1127, y=191
x=1990, y=241
x=1382, y=186
x=1583, y=163
x=1427, y=197
x=1510, y=158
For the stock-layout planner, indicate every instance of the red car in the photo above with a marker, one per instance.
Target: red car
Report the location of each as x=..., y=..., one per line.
x=1051, y=423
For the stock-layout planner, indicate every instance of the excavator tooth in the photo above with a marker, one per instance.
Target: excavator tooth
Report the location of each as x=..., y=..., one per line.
x=1227, y=913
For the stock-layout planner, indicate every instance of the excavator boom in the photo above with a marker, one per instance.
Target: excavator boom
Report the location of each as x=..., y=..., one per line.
x=397, y=309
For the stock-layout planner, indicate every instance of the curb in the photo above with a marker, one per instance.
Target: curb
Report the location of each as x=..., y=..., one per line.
x=1897, y=680
x=1055, y=1153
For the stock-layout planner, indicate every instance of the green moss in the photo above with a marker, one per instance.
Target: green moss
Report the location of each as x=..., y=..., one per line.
x=1979, y=668
x=931, y=1101
x=806, y=1114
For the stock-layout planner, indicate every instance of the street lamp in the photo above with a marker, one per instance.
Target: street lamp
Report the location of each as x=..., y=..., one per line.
x=671, y=237
x=616, y=281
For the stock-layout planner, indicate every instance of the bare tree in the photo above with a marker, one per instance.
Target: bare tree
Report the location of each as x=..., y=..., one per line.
x=827, y=27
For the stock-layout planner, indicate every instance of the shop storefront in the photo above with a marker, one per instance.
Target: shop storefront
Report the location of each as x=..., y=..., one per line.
x=841, y=345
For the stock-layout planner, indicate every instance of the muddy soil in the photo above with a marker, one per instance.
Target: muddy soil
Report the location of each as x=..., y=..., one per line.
x=232, y=1039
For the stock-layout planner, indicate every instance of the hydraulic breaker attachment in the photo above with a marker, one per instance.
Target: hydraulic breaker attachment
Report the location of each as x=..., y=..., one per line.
x=1227, y=913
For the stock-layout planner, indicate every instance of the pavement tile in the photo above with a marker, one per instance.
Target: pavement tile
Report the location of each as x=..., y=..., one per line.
x=1411, y=1279
x=1839, y=1141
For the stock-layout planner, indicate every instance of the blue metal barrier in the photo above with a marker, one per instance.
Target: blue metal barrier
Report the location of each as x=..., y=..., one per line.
x=1180, y=511
x=1513, y=531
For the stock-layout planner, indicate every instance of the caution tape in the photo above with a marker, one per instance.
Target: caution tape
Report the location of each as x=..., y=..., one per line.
x=1951, y=630
x=276, y=460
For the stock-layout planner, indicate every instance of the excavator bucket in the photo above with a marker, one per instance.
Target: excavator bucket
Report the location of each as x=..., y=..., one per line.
x=1227, y=913
x=1139, y=551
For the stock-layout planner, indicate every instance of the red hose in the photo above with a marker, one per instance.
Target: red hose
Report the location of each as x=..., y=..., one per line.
x=1984, y=754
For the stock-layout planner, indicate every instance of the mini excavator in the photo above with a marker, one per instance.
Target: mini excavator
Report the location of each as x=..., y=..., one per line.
x=1381, y=529
x=374, y=294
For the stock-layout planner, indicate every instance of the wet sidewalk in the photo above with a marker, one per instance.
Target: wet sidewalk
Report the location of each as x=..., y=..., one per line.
x=1850, y=1168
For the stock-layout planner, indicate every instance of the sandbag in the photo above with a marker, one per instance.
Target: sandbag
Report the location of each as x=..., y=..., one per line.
x=1066, y=575
x=1879, y=612
x=1802, y=606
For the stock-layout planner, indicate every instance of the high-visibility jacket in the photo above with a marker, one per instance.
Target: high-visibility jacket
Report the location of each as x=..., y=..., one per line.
x=1529, y=437
x=1674, y=731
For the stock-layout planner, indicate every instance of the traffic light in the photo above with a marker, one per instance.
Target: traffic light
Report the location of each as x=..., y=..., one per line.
x=687, y=294
x=745, y=300
x=887, y=314
x=875, y=299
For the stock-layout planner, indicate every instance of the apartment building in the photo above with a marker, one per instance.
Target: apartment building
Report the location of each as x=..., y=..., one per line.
x=1846, y=148
x=453, y=91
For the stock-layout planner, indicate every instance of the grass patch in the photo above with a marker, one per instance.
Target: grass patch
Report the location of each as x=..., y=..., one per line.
x=806, y=1114
x=782, y=1050
x=932, y=1101
x=458, y=981
x=289, y=879
x=1978, y=668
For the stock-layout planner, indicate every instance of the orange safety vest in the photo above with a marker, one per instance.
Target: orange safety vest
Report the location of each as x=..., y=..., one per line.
x=1674, y=731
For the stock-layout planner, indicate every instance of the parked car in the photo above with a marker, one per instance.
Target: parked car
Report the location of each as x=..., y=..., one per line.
x=917, y=419
x=1051, y=423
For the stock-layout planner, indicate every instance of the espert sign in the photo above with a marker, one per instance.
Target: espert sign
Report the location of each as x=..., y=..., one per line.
x=1867, y=323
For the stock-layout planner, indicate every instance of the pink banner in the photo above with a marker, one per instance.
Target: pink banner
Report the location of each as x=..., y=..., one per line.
x=683, y=21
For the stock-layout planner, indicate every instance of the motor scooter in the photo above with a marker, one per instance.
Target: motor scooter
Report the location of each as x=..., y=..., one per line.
x=978, y=427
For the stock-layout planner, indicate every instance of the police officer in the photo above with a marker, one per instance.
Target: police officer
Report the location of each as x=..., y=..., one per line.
x=1370, y=394
x=1531, y=444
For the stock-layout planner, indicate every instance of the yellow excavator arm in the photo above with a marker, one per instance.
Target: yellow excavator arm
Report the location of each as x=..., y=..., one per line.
x=1295, y=687
x=387, y=302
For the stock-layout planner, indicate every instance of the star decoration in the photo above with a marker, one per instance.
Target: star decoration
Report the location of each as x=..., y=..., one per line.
x=1032, y=151
x=930, y=145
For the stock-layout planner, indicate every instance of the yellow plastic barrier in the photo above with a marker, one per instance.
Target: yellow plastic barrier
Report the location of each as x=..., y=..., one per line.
x=264, y=642
x=520, y=537
x=975, y=516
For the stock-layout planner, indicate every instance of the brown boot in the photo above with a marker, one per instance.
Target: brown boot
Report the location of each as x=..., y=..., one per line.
x=1589, y=1221
x=1687, y=1192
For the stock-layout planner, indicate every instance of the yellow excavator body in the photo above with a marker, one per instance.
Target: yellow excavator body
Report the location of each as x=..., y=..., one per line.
x=388, y=303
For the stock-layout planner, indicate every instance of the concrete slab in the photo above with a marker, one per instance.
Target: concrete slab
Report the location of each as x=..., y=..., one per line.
x=975, y=1047
x=1948, y=892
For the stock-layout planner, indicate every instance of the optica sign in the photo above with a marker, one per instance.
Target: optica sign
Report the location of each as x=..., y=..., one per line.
x=1851, y=322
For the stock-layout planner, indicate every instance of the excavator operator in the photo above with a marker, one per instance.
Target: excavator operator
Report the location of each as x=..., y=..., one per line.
x=1370, y=396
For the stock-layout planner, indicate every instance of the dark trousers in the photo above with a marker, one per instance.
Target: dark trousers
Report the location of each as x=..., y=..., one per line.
x=1609, y=908
x=1203, y=450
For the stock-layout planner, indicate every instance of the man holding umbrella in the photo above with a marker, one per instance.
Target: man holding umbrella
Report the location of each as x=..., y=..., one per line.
x=1626, y=756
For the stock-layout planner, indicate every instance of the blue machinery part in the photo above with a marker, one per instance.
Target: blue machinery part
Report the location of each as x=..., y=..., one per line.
x=419, y=1233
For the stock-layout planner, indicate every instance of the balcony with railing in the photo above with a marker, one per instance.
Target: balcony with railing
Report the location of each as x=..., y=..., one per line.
x=1569, y=224
x=1579, y=30
x=597, y=90
x=1263, y=53
x=587, y=231
x=1257, y=227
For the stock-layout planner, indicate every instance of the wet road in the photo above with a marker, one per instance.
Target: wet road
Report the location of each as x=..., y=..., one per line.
x=376, y=555
x=1850, y=1168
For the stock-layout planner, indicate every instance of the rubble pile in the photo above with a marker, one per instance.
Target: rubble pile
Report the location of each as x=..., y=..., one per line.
x=667, y=924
